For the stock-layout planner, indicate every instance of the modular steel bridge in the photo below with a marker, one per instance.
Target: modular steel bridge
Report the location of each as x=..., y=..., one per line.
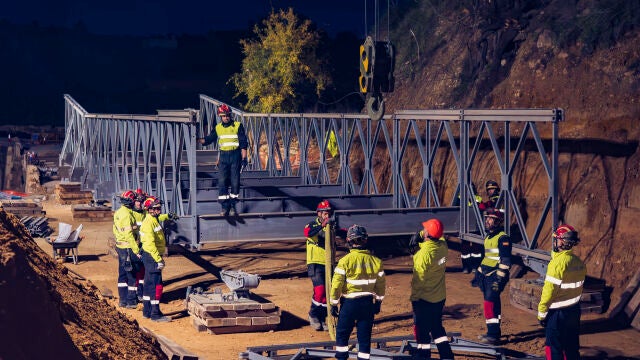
x=388, y=175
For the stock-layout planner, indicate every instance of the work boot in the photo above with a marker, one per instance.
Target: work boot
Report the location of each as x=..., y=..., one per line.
x=486, y=339
x=162, y=319
x=315, y=323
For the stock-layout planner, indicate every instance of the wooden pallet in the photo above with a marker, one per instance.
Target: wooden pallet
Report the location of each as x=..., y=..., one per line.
x=525, y=295
x=209, y=313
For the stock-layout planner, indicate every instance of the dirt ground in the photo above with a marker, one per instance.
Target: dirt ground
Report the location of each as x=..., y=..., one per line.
x=283, y=271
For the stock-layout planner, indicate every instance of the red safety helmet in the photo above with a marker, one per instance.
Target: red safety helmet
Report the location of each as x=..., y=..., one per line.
x=568, y=235
x=128, y=198
x=152, y=202
x=433, y=228
x=141, y=195
x=498, y=215
x=324, y=205
x=224, y=110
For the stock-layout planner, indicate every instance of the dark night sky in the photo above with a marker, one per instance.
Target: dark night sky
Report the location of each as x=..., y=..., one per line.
x=147, y=17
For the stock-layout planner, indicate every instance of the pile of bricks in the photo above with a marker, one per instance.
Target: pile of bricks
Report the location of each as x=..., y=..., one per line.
x=22, y=208
x=70, y=193
x=91, y=213
x=210, y=313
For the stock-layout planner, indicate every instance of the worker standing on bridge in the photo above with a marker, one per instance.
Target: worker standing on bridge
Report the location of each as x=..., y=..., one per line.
x=559, y=307
x=125, y=231
x=315, y=234
x=428, y=291
x=153, y=247
x=358, y=285
x=493, y=273
x=232, y=147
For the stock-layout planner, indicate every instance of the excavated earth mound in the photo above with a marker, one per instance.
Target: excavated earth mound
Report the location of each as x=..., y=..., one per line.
x=45, y=314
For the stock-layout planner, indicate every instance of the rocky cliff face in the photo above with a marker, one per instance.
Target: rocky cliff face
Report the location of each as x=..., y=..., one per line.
x=583, y=57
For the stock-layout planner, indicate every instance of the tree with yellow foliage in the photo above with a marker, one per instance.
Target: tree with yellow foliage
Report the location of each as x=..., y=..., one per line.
x=280, y=67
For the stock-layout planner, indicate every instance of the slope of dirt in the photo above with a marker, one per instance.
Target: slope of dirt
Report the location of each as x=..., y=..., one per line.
x=46, y=314
x=543, y=54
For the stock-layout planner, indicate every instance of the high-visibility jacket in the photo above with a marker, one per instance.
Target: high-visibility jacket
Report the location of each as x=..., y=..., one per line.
x=497, y=254
x=139, y=217
x=359, y=273
x=125, y=229
x=563, y=283
x=429, y=265
x=152, y=237
x=228, y=136
x=315, y=242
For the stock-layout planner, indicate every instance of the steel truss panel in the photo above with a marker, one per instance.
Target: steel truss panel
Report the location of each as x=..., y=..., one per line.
x=279, y=204
x=350, y=151
x=387, y=348
x=287, y=225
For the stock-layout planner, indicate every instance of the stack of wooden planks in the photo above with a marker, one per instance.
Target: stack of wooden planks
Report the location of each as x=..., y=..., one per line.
x=71, y=193
x=22, y=208
x=525, y=295
x=209, y=312
x=91, y=213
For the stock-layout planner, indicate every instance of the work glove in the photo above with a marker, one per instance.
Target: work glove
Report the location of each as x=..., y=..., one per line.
x=335, y=311
x=543, y=322
x=160, y=265
x=377, y=305
x=414, y=242
x=325, y=222
x=243, y=163
x=139, y=255
x=173, y=216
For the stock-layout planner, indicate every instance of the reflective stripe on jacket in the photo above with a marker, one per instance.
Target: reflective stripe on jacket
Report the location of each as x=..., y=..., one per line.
x=429, y=265
x=152, y=237
x=359, y=273
x=315, y=242
x=125, y=229
x=228, y=136
x=563, y=283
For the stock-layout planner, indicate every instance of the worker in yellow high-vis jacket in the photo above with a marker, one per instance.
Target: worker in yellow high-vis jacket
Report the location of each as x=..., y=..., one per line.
x=153, y=247
x=493, y=273
x=559, y=307
x=358, y=285
x=428, y=291
x=125, y=232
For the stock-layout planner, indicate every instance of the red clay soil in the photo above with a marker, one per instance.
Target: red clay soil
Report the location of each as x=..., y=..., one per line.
x=61, y=318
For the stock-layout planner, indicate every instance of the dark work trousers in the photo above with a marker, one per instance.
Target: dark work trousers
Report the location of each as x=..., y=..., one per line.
x=358, y=312
x=318, y=308
x=126, y=277
x=563, y=333
x=492, y=305
x=471, y=254
x=152, y=289
x=138, y=268
x=428, y=319
x=229, y=176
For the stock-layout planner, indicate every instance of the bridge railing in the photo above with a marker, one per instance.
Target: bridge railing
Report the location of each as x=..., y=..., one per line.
x=423, y=158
